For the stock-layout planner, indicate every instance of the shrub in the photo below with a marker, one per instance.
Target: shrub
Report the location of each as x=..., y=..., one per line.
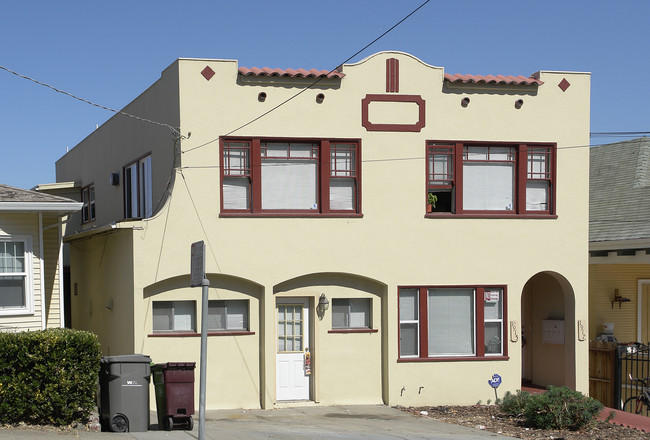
x=514, y=404
x=557, y=408
x=48, y=377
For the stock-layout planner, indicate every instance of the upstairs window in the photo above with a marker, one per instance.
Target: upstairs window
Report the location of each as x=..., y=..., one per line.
x=293, y=177
x=88, y=200
x=471, y=178
x=137, y=189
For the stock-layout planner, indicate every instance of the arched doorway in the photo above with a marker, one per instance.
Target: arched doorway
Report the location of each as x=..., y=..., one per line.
x=547, y=317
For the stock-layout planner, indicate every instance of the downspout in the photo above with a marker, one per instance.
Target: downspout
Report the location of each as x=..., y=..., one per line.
x=41, y=269
x=61, y=278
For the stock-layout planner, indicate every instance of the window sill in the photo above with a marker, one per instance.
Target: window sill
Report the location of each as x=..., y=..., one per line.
x=353, y=330
x=193, y=334
x=455, y=359
x=486, y=215
x=16, y=312
x=290, y=214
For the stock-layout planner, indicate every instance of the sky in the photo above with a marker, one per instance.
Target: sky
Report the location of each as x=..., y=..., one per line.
x=109, y=52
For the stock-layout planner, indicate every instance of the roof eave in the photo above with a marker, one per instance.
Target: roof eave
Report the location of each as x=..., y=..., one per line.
x=58, y=207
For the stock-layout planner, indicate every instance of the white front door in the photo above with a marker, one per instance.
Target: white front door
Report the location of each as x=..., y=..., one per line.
x=292, y=320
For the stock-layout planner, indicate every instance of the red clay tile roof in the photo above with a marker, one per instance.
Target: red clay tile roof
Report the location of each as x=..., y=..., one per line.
x=493, y=79
x=297, y=73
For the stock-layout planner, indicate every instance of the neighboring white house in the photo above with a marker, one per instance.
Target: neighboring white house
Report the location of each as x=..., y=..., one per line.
x=31, y=264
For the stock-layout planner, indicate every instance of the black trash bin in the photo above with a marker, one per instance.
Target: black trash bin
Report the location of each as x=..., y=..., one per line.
x=124, y=393
x=174, y=385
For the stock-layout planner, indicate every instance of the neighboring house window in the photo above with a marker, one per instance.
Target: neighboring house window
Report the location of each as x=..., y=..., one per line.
x=137, y=189
x=351, y=313
x=290, y=177
x=15, y=275
x=88, y=199
x=177, y=316
x=452, y=322
x=228, y=315
x=479, y=178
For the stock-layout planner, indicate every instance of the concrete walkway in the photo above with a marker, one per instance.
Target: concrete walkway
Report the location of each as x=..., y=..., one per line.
x=312, y=423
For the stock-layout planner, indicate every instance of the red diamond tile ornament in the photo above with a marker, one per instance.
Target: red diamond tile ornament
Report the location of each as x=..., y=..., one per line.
x=564, y=84
x=208, y=73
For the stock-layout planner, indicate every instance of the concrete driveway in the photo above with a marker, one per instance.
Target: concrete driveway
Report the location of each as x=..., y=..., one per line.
x=309, y=423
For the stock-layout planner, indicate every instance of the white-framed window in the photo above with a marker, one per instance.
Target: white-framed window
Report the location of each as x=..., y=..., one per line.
x=351, y=312
x=16, y=279
x=88, y=200
x=443, y=322
x=228, y=315
x=174, y=316
x=138, y=201
x=409, y=323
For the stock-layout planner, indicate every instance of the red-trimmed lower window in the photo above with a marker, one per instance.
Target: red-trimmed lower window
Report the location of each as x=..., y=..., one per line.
x=452, y=322
x=297, y=176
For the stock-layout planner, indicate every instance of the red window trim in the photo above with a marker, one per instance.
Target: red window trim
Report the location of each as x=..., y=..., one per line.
x=176, y=334
x=353, y=330
x=521, y=178
x=323, y=179
x=479, y=330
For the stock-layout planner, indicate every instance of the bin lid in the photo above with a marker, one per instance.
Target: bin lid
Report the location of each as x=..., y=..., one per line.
x=174, y=366
x=126, y=358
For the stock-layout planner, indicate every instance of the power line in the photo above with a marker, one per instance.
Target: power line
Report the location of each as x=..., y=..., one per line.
x=312, y=84
x=175, y=131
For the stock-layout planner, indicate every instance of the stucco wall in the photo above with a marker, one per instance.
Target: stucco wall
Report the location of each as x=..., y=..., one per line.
x=393, y=244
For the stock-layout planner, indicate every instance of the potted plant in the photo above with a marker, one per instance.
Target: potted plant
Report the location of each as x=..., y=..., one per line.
x=432, y=199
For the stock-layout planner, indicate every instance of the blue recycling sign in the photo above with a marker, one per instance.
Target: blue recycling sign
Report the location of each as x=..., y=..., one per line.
x=495, y=381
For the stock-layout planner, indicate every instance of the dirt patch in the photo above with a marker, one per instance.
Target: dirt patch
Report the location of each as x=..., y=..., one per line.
x=490, y=418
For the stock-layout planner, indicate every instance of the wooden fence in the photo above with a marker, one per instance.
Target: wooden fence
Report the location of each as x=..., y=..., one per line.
x=602, y=366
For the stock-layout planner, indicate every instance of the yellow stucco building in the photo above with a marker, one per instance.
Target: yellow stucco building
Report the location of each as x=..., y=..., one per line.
x=443, y=218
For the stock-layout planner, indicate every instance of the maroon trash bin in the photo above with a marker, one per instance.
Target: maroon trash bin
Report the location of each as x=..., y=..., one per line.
x=174, y=386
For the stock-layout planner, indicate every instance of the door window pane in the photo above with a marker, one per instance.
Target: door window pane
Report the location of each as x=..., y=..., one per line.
x=290, y=327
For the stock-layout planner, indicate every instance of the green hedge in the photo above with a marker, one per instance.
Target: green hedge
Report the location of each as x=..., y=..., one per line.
x=557, y=408
x=48, y=377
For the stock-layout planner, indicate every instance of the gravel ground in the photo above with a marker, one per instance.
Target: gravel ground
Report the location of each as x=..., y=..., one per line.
x=489, y=417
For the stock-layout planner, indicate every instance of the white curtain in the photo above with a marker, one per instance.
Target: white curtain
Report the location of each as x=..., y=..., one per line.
x=451, y=322
x=236, y=193
x=342, y=194
x=289, y=184
x=488, y=186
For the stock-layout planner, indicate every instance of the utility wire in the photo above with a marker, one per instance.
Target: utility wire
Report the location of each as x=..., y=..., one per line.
x=175, y=131
x=319, y=79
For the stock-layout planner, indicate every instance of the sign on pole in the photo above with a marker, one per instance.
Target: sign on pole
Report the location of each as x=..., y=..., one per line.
x=197, y=264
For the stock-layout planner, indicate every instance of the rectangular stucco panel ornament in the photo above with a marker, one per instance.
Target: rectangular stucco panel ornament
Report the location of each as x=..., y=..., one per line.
x=393, y=113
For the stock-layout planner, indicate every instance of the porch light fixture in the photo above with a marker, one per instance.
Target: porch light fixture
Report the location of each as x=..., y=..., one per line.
x=323, y=304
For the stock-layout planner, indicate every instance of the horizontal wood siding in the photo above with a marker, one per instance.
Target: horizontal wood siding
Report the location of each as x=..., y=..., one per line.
x=52, y=290
x=603, y=279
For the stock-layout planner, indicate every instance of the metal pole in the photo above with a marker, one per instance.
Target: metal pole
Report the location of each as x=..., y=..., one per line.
x=204, y=350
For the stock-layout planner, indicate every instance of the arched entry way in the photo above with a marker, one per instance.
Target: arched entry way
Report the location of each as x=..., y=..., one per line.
x=547, y=323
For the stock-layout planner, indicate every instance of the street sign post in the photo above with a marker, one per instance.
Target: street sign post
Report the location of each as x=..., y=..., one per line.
x=198, y=278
